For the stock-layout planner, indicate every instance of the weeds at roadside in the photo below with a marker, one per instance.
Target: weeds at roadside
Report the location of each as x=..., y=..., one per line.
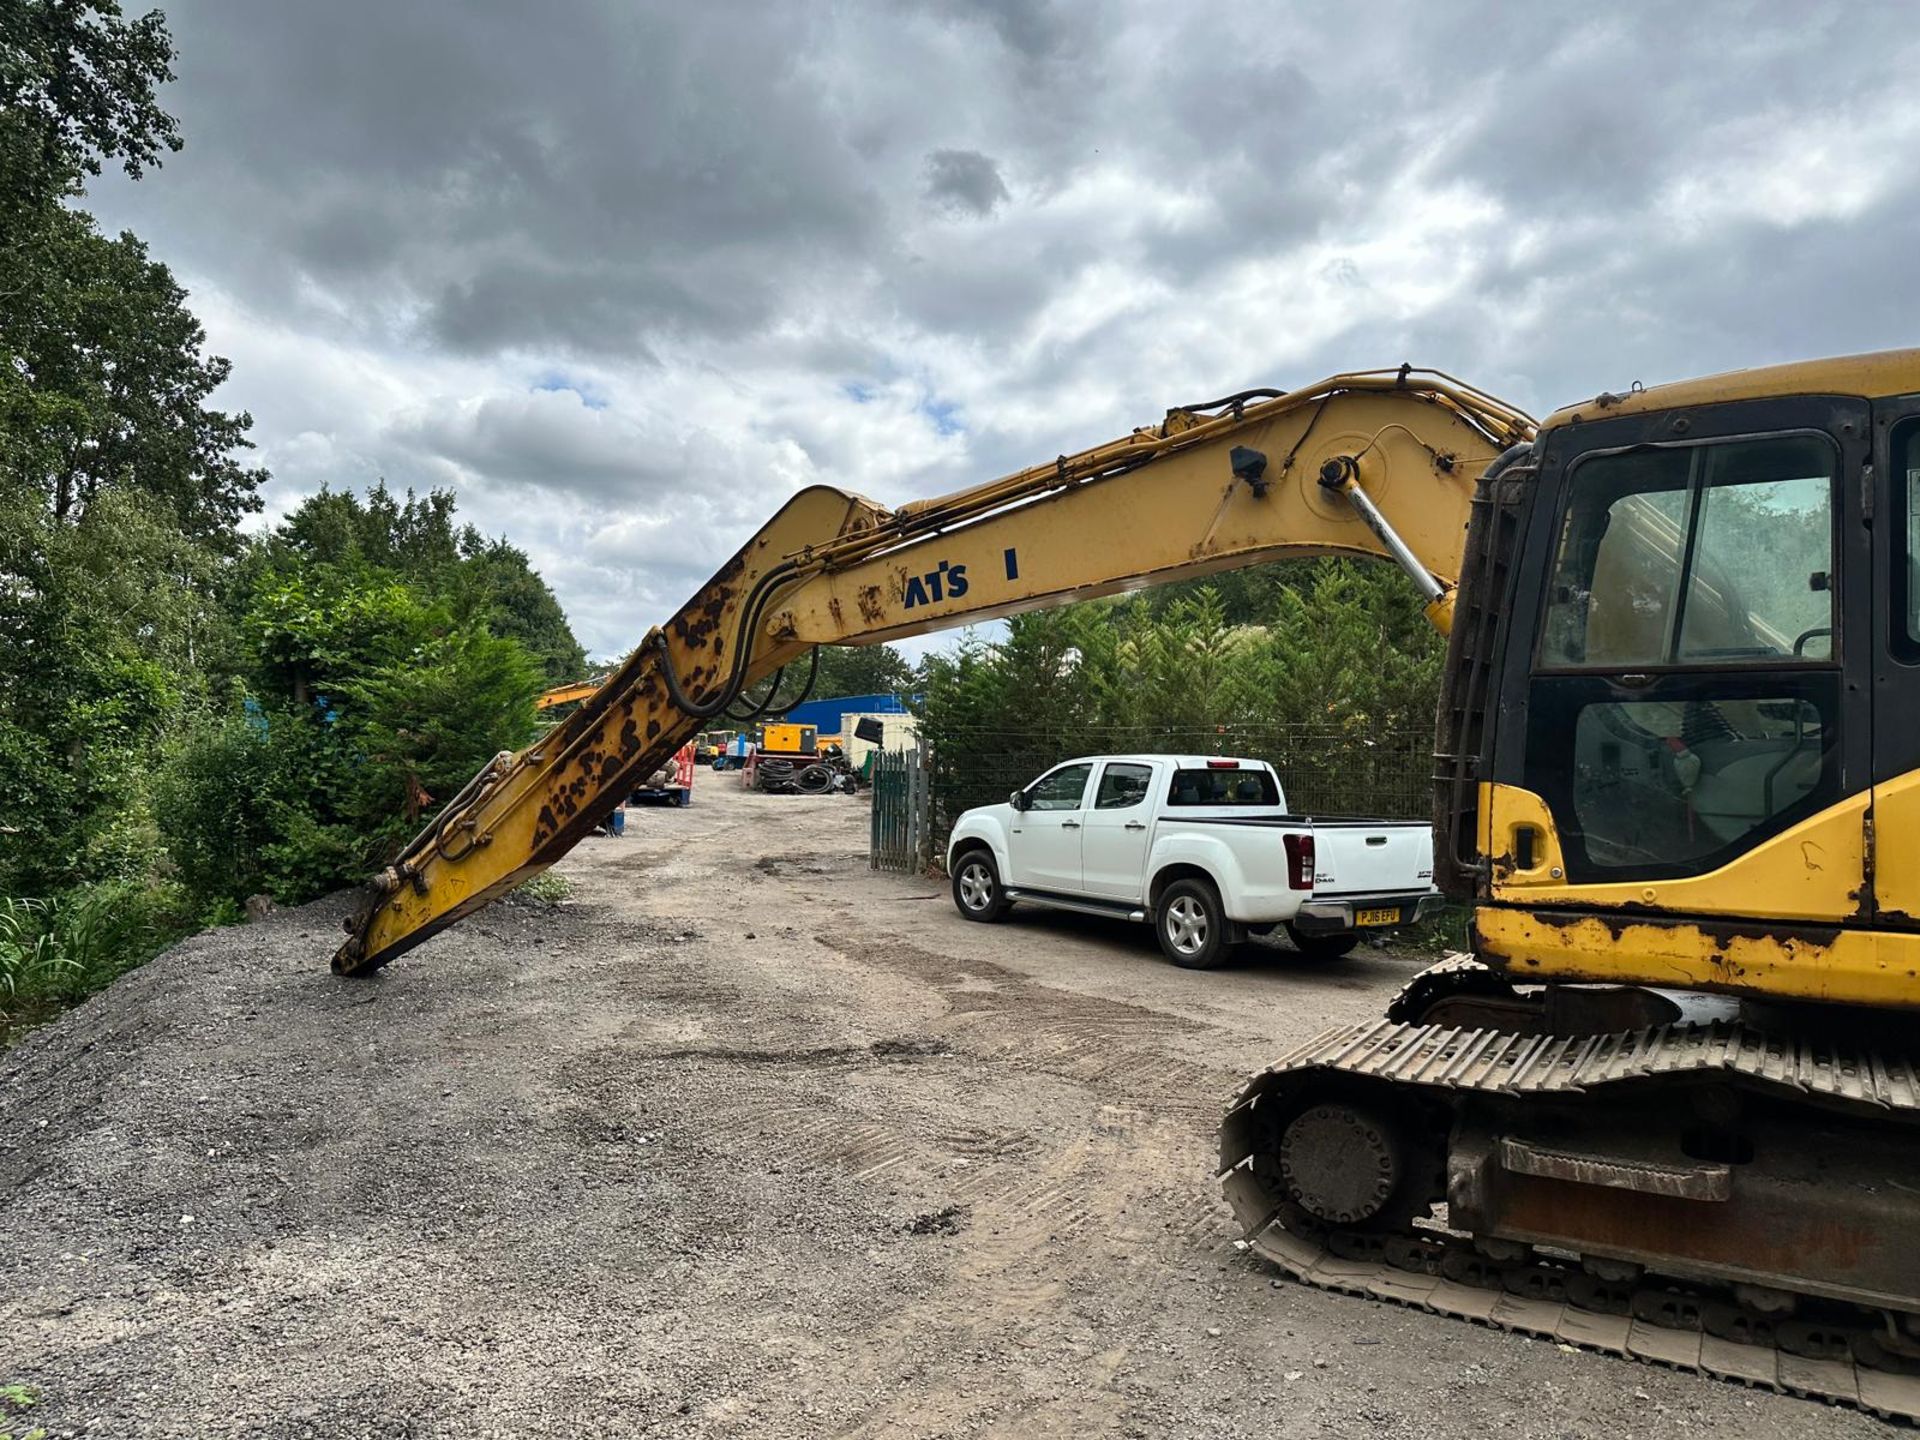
x=16, y=1400
x=545, y=889
x=1439, y=934
x=55, y=952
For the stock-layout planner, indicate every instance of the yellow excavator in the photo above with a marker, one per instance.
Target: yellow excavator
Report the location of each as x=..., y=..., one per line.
x=1667, y=1108
x=570, y=693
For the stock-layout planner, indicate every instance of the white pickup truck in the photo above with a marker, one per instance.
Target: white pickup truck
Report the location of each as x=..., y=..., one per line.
x=1200, y=845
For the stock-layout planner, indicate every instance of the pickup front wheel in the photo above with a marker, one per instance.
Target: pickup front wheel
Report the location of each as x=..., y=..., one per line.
x=1191, y=925
x=976, y=887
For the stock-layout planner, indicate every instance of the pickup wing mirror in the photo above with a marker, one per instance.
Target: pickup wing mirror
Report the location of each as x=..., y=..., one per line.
x=1018, y=800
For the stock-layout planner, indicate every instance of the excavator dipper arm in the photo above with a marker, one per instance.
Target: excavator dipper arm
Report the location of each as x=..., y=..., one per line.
x=1381, y=464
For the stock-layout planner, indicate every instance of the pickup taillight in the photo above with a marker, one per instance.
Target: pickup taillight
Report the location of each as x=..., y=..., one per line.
x=1299, y=861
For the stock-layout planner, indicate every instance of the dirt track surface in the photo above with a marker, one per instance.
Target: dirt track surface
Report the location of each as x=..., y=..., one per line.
x=743, y=1140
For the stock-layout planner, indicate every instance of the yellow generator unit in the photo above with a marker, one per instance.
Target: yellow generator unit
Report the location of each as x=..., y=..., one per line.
x=784, y=739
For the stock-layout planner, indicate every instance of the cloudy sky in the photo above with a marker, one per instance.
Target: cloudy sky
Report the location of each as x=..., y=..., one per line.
x=624, y=275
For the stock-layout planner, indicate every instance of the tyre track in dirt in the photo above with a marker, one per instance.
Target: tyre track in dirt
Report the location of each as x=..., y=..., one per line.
x=1111, y=1178
x=744, y=1140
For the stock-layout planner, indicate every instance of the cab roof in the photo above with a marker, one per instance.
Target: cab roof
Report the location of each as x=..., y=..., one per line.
x=1871, y=376
x=1180, y=762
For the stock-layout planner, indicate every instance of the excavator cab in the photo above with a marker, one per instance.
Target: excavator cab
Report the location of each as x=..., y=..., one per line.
x=1685, y=732
x=1671, y=1102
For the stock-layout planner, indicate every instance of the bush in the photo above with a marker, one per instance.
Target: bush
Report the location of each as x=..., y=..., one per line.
x=1440, y=933
x=215, y=792
x=425, y=726
x=1328, y=670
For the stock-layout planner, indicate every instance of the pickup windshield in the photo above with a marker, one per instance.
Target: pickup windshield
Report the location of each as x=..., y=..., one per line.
x=1223, y=787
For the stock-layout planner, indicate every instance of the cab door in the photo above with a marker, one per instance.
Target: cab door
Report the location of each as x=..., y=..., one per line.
x=1118, y=826
x=1044, y=846
x=1896, y=681
x=1702, y=585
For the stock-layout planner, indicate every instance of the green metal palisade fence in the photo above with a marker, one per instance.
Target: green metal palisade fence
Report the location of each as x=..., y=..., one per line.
x=902, y=833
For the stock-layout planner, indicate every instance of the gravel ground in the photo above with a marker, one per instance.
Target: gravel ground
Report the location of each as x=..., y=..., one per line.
x=741, y=1140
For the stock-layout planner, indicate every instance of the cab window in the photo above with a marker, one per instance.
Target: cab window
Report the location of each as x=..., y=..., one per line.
x=1223, y=787
x=1685, y=701
x=1699, y=555
x=1123, y=786
x=1906, y=578
x=1680, y=781
x=1060, y=790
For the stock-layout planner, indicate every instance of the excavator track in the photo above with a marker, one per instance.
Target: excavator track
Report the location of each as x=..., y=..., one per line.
x=1827, y=1346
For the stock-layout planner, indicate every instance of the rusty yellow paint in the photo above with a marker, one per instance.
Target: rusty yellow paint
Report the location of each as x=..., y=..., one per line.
x=1852, y=967
x=1182, y=516
x=1883, y=373
x=1896, y=857
x=526, y=810
x=1812, y=872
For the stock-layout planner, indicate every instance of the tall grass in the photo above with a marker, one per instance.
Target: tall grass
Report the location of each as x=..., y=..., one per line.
x=55, y=952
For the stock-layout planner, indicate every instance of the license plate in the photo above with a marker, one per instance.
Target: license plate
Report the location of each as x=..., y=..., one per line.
x=1377, y=917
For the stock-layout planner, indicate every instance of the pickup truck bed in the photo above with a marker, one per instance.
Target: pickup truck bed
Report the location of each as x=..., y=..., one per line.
x=1201, y=846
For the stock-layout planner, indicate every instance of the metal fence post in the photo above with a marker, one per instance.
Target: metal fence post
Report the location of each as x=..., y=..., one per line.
x=922, y=826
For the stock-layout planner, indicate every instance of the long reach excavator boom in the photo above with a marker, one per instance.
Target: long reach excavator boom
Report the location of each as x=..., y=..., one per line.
x=1669, y=1107
x=1259, y=476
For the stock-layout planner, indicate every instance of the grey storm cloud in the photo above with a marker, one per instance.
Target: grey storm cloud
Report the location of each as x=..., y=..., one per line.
x=965, y=179
x=627, y=276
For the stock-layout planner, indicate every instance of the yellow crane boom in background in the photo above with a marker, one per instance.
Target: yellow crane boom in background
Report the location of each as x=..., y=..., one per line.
x=571, y=692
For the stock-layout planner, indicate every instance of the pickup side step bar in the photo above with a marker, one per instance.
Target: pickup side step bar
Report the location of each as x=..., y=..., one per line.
x=1118, y=910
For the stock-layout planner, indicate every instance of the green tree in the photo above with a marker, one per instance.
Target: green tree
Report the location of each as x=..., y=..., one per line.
x=1349, y=648
x=79, y=85
x=219, y=803
x=862, y=670
x=381, y=671
x=119, y=494
x=496, y=586
x=997, y=714
x=417, y=542
x=108, y=385
x=369, y=704
x=1326, y=668
x=103, y=380
x=105, y=624
x=312, y=632
x=425, y=727
x=415, y=537
x=1181, y=670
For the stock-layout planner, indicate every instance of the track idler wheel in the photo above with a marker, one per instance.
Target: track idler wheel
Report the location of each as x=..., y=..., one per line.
x=1340, y=1164
x=1343, y=1161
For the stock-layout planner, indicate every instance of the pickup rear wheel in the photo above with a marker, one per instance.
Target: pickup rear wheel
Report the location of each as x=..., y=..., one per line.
x=1323, y=947
x=976, y=887
x=1191, y=926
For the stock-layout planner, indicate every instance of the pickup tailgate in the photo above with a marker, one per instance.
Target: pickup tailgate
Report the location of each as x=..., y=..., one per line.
x=1356, y=859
